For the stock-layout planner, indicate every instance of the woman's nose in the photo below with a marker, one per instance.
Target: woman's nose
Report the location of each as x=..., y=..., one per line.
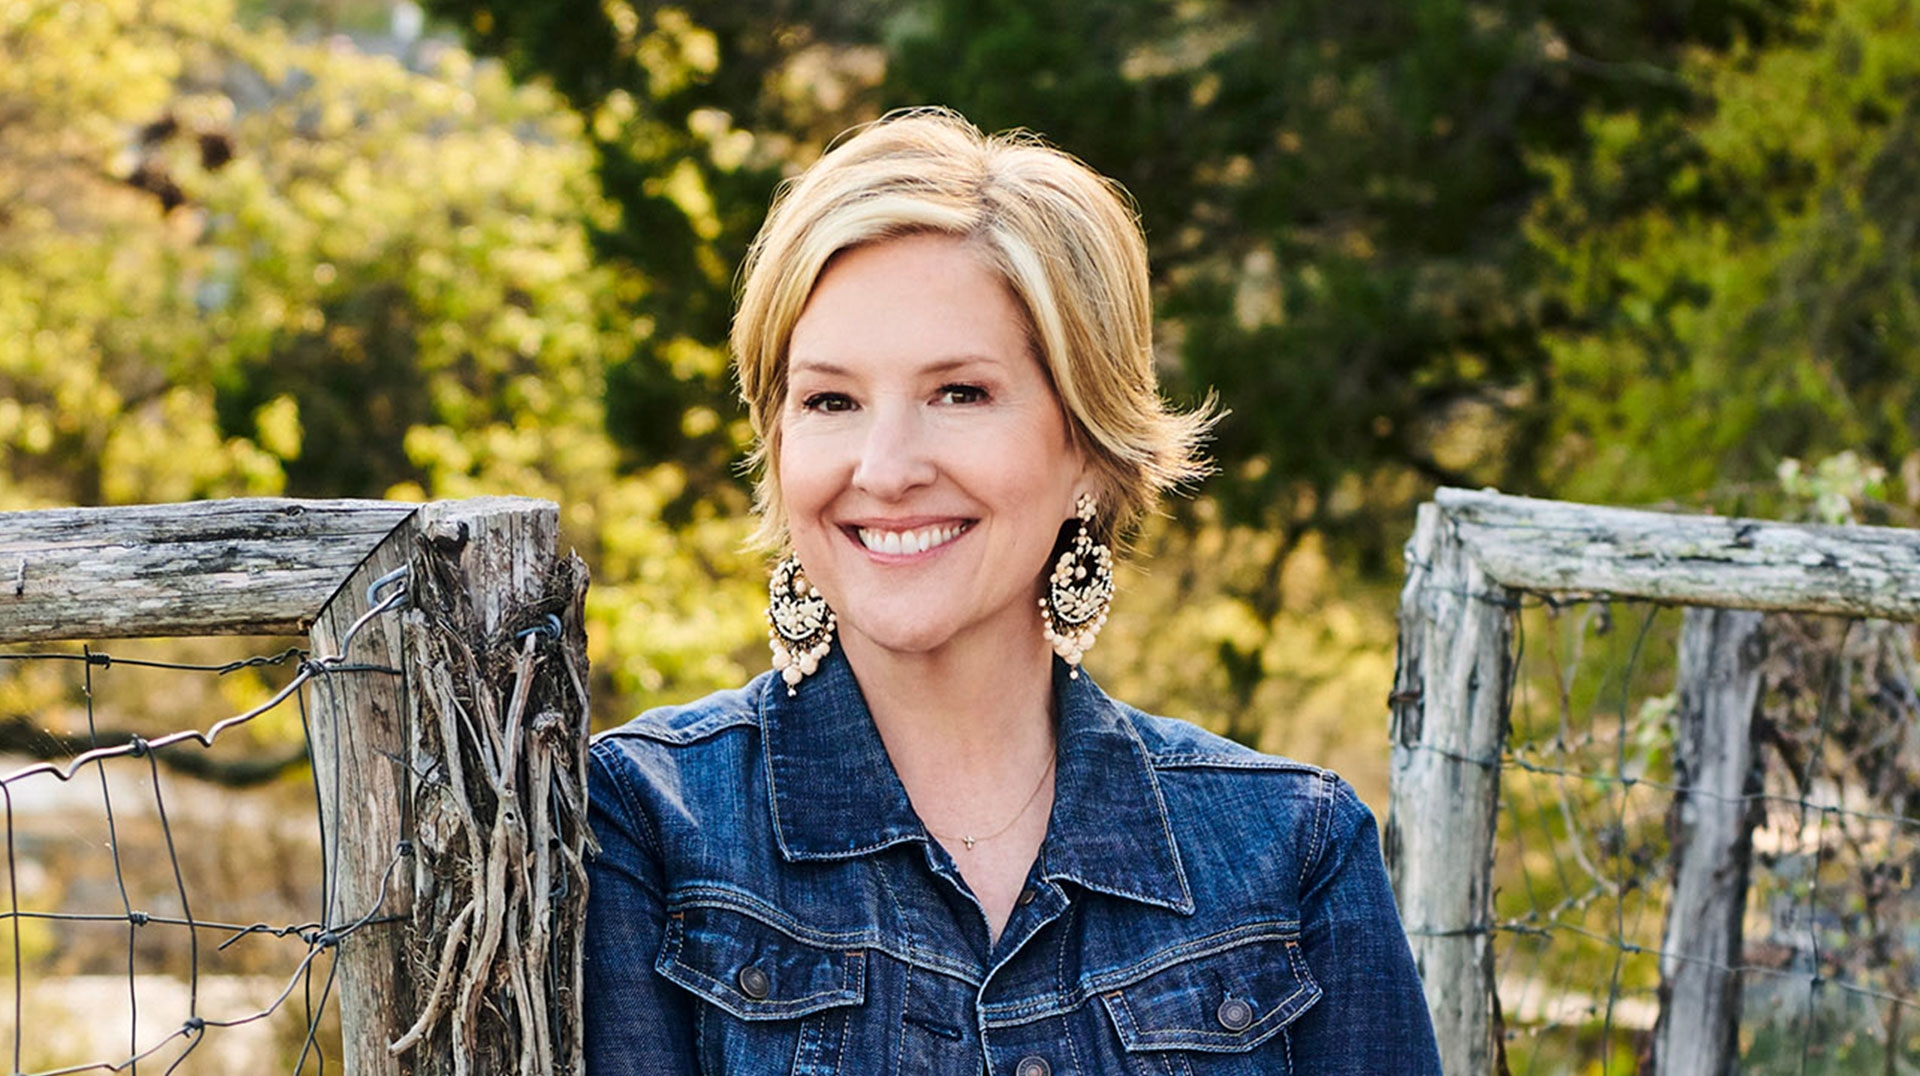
x=895, y=456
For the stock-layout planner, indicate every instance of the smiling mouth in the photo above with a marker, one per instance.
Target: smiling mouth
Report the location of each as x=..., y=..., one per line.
x=901, y=543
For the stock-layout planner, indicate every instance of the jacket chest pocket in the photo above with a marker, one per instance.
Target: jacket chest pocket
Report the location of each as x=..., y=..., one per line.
x=768, y=1002
x=1217, y=1013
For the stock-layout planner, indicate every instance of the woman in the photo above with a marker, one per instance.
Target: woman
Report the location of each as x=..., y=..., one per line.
x=926, y=843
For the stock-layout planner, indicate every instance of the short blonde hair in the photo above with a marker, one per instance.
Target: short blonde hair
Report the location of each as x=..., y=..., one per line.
x=1064, y=238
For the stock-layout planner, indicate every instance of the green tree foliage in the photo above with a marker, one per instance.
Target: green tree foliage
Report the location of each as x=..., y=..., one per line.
x=1334, y=193
x=694, y=113
x=1743, y=278
x=1333, y=190
x=95, y=340
x=234, y=262
x=1623, y=252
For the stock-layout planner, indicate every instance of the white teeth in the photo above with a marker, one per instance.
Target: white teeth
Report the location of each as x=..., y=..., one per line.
x=914, y=541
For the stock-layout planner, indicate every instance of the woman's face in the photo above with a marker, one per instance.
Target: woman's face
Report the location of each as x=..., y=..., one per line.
x=924, y=460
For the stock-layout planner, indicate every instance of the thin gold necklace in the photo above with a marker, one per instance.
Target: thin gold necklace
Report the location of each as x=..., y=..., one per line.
x=970, y=840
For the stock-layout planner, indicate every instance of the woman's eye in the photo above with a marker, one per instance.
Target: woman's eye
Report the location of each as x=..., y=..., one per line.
x=828, y=402
x=962, y=394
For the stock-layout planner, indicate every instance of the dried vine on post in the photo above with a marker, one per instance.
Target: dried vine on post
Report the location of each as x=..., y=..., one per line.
x=498, y=755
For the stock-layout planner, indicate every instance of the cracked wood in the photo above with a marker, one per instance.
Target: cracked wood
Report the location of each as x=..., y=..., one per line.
x=258, y=566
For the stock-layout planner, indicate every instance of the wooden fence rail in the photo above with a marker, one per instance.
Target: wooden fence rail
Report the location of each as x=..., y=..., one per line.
x=1472, y=556
x=452, y=789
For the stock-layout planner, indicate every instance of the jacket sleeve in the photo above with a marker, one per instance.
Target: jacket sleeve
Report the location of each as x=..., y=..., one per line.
x=634, y=1021
x=1372, y=1015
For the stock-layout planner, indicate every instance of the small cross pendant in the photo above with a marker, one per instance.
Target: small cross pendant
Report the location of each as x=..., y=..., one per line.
x=969, y=842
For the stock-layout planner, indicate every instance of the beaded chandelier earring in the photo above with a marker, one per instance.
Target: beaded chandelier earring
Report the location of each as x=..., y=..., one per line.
x=1078, y=592
x=802, y=625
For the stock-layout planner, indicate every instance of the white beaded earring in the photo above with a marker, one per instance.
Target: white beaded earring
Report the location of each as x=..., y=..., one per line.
x=1079, y=591
x=802, y=625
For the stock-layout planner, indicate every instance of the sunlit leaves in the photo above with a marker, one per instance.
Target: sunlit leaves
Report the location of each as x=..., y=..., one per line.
x=237, y=261
x=1745, y=280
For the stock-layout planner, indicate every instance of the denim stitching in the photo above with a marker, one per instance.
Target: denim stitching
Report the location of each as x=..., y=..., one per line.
x=1072, y=1051
x=802, y=1060
x=737, y=900
x=723, y=996
x=1245, y=934
x=1303, y=973
x=1278, y=1018
x=1252, y=1036
x=700, y=1033
x=846, y=1019
x=1184, y=760
x=851, y=991
x=879, y=872
x=766, y=764
x=705, y=727
x=733, y=900
x=773, y=797
x=900, y=1040
x=627, y=801
x=1121, y=1012
x=1031, y=1009
x=1314, y=849
x=840, y=1053
x=1060, y=983
x=1166, y=824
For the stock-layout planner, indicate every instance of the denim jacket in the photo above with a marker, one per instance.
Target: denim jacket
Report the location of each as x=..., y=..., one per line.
x=766, y=901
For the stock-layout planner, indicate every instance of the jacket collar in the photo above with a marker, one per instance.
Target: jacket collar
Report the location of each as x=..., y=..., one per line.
x=834, y=793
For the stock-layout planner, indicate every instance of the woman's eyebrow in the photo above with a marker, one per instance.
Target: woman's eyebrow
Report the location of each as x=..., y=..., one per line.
x=959, y=362
x=937, y=367
x=816, y=366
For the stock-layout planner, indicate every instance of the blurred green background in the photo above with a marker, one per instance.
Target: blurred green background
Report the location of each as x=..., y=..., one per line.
x=1633, y=252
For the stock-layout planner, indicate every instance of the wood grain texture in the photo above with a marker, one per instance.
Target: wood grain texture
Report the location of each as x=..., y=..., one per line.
x=1554, y=547
x=359, y=723
x=462, y=954
x=1449, y=723
x=257, y=566
x=1712, y=820
x=500, y=721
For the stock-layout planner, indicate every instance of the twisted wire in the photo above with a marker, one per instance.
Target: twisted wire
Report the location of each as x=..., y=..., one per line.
x=316, y=937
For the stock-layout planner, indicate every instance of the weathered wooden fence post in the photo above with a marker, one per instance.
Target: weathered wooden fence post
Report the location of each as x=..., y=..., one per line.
x=358, y=723
x=1712, y=820
x=458, y=789
x=1450, y=703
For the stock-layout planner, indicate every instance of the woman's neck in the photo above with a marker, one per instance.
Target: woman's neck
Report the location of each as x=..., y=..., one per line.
x=971, y=734
x=965, y=727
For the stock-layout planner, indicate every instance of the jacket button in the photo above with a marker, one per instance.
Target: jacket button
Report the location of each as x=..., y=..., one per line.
x=754, y=982
x=1234, y=1014
x=1026, y=896
x=1032, y=1066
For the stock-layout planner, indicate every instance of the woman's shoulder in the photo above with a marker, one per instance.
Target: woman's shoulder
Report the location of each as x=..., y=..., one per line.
x=1214, y=785
x=687, y=723
x=1173, y=744
x=666, y=748
x=682, y=777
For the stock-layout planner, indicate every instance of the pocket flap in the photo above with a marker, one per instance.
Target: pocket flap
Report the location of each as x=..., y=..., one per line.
x=755, y=970
x=1225, y=1001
